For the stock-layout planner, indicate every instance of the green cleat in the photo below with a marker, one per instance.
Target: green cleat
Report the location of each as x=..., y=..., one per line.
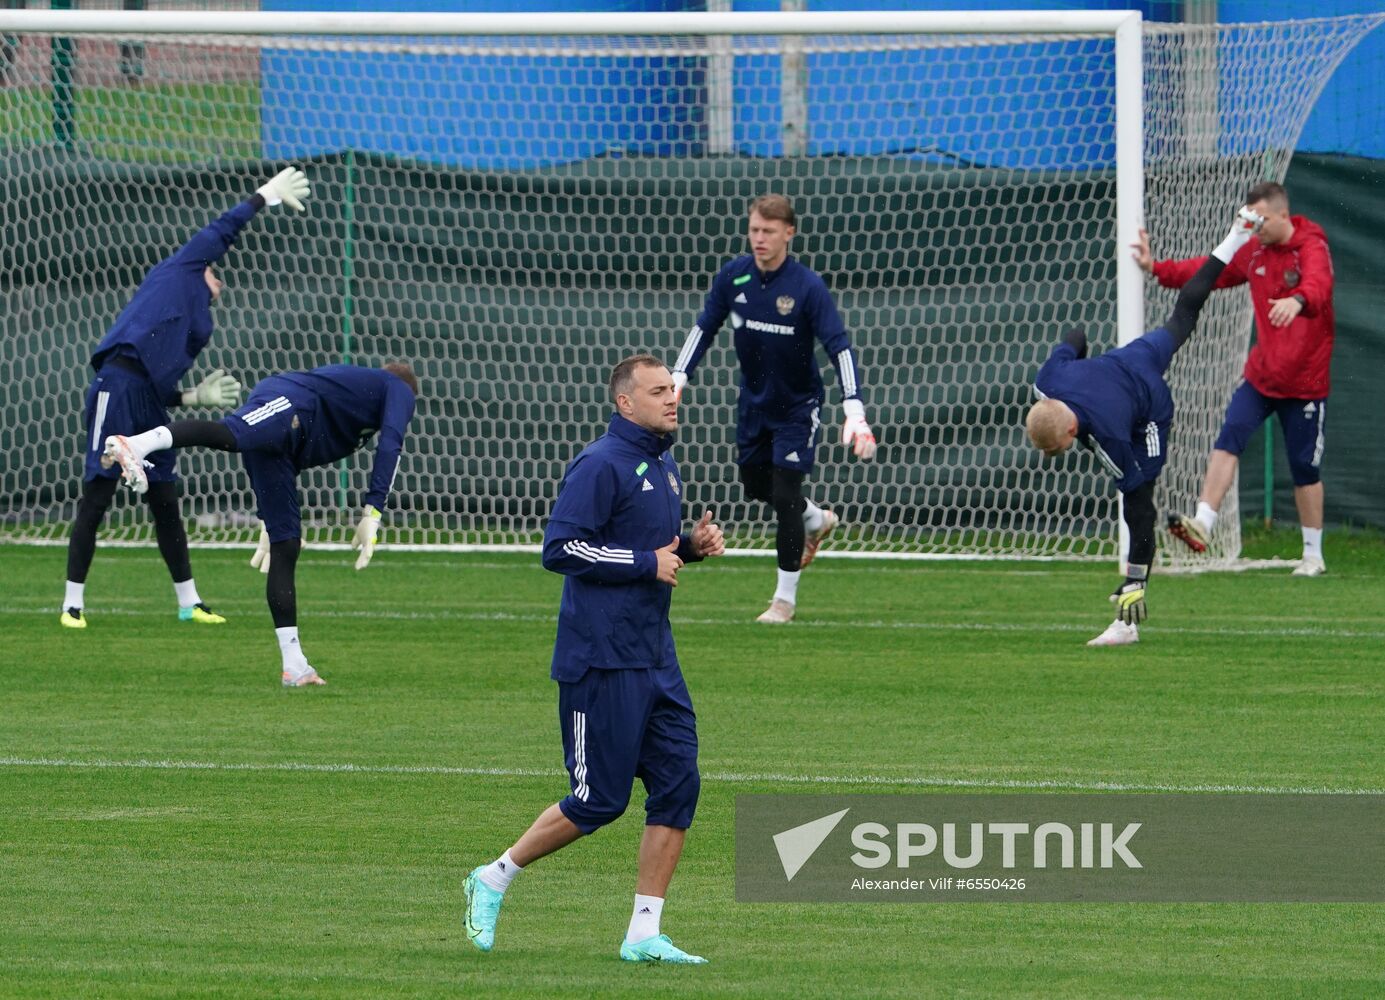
x=201, y=614
x=482, y=910
x=73, y=618
x=658, y=949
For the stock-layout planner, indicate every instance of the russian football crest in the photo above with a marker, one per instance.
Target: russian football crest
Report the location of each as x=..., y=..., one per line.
x=673, y=483
x=1291, y=278
x=784, y=304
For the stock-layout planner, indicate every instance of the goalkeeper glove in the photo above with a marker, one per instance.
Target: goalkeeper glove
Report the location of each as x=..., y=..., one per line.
x=680, y=379
x=367, y=528
x=1129, y=599
x=289, y=186
x=856, y=432
x=260, y=560
x=217, y=389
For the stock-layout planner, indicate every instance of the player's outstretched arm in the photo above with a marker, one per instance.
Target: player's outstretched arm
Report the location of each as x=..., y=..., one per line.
x=694, y=346
x=715, y=309
x=209, y=244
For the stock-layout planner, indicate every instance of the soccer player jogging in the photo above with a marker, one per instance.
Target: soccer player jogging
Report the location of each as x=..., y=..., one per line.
x=295, y=421
x=139, y=363
x=1289, y=269
x=778, y=307
x=1119, y=406
x=623, y=707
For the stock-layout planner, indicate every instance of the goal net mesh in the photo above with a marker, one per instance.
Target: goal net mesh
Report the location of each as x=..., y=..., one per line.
x=514, y=215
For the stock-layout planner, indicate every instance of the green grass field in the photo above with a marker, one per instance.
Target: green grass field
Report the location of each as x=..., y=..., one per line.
x=154, y=123
x=174, y=824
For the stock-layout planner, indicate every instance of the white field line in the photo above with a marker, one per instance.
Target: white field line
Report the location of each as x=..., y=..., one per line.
x=765, y=553
x=725, y=777
x=1307, y=631
x=888, y=558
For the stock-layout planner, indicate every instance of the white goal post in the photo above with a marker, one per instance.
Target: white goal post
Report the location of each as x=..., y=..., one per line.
x=513, y=202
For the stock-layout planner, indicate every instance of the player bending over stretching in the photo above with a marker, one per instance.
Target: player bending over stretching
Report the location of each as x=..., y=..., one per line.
x=291, y=422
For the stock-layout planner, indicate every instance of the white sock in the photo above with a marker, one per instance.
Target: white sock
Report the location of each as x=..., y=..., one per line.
x=812, y=516
x=1312, y=543
x=1237, y=238
x=187, y=593
x=500, y=872
x=289, y=648
x=644, y=921
x=788, y=586
x=1206, y=516
x=156, y=440
x=74, y=595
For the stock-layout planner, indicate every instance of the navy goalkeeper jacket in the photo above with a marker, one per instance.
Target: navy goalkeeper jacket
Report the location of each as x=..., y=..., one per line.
x=620, y=499
x=777, y=318
x=340, y=408
x=169, y=319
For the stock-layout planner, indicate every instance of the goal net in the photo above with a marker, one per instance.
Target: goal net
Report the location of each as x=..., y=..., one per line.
x=515, y=214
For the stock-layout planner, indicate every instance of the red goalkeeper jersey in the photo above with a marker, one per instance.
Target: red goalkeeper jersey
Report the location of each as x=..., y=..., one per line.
x=1287, y=362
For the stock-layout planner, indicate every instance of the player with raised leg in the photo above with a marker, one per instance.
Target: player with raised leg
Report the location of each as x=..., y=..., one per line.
x=778, y=308
x=291, y=422
x=1119, y=406
x=139, y=363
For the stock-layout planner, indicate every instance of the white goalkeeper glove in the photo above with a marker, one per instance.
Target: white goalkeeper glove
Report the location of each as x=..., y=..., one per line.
x=367, y=528
x=260, y=560
x=680, y=380
x=289, y=186
x=217, y=389
x=856, y=432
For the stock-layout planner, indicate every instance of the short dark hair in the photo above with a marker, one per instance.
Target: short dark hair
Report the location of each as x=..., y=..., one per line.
x=401, y=370
x=1268, y=191
x=623, y=374
x=774, y=206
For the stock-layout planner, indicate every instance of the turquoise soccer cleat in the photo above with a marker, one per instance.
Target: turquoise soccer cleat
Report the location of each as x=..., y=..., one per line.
x=658, y=949
x=201, y=614
x=482, y=910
